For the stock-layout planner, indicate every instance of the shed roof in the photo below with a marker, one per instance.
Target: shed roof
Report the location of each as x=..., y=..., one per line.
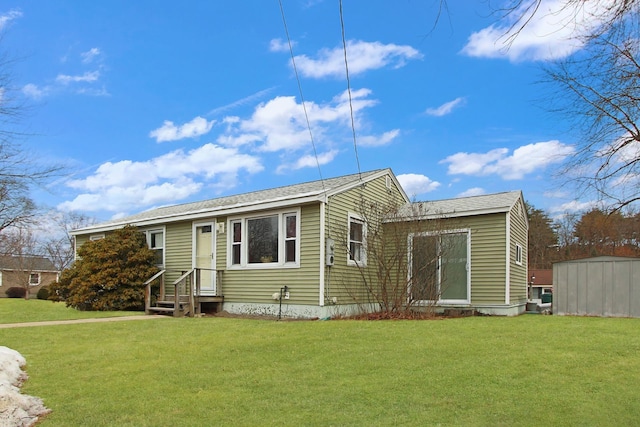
x=26, y=263
x=287, y=195
x=604, y=258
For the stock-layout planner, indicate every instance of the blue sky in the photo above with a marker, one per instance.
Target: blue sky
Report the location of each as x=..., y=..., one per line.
x=150, y=103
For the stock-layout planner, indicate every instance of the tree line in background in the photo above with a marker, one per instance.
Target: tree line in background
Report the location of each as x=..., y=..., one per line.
x=573, y=236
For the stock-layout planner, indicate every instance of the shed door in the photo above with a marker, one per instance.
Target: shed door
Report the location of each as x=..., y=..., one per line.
x=204, y=257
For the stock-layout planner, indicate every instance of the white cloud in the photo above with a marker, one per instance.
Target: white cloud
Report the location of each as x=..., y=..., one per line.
x=445, y=108
x=574, y=206
x=415, y=184
x=554, y=31
x=6, y=18
x=280, y=124
x=33, y=91
x=90, y=55
x=475, y=191
x=524, y=160
x=362, y=56
x=94, y=91
x=88, y=77
x=126, y=185
x=279, y=45
x=310, y=161
x=170, y=132
x=378, y=140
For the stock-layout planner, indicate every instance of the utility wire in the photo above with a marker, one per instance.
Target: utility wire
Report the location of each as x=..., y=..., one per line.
x=304, y=107
x=346, y=67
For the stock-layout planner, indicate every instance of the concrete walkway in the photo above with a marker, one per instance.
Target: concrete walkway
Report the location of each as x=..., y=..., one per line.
x=74, y=321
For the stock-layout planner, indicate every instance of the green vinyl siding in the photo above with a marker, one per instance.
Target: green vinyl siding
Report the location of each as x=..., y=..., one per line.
x=178, y=257
x=488, y=252
x=519, y=235
x=488, y=258
x=252, y=285
x=80, y=240
x=348, y=283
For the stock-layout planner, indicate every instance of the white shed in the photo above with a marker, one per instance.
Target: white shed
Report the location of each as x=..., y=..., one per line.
x=606, y=286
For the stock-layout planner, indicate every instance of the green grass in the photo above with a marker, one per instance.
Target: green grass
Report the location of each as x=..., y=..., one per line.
x=18, y=310
x=485, y=371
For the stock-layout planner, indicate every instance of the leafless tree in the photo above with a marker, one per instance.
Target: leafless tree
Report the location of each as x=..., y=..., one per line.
x=406, y=262
x=597, y=90
x=20, y=250
x=19, y=169
x=606, y=13
x=58, y=244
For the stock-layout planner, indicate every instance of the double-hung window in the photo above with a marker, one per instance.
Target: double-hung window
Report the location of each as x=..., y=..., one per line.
x=34, y=279
x=155, y=240
x=357, y=241
x=518, y=254
x=270, y=240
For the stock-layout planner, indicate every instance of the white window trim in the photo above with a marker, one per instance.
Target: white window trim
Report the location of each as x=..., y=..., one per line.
x=147, y=232
x=352, y=217
x=519, y=254
x=466, y=231
x=95, y=237
x=39, y=279
x=244, y=265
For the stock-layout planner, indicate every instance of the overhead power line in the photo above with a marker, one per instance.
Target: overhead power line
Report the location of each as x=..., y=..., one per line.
x=304, y=107
x=346, y=67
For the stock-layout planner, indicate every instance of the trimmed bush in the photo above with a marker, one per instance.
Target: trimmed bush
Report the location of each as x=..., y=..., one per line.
x=43, y=293
x=16, y=292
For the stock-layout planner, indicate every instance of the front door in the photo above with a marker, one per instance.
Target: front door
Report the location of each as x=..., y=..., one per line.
x=204, y=256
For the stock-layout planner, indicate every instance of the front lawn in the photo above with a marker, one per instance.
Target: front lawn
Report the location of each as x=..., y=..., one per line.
x=486, y=371
x=18, y=310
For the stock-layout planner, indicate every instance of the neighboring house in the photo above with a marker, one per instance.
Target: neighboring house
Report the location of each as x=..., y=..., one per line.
x=23, y=270
x=607, y=286
x=308, y=242
x=540, y=282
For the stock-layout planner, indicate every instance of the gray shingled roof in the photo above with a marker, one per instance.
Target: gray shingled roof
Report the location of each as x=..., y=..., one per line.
x=281, y=194
x=463, y=206
x=27, y=262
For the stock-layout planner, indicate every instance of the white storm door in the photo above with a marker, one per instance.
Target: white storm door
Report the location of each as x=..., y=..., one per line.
x=204, y=256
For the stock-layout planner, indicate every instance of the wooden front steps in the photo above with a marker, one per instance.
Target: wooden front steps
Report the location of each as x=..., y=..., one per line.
x=169, y=307
x=190, y=301
x=184, y=307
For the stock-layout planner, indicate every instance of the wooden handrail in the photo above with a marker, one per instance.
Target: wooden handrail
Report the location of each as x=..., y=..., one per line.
x=184, y=276
x=155, y=276
x=147, y=290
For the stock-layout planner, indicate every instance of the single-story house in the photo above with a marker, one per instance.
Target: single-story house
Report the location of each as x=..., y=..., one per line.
x=301, y=250
x=26, y=271
x=607, y=286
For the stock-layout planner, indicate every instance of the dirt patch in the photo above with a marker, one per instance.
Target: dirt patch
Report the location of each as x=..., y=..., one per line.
x=16, y=409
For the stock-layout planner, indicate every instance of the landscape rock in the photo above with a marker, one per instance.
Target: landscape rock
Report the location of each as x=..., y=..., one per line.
x=16, y=409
